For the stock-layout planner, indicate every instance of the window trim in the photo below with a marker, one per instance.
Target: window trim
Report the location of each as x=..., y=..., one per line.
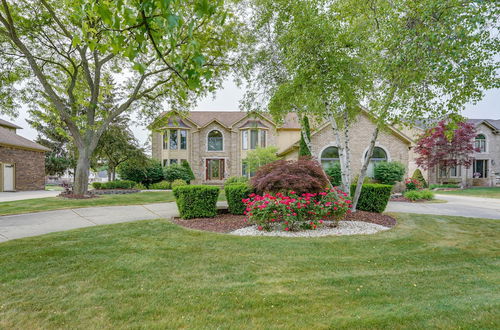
x=328, y=159
x=248, y=140
x=166, y=142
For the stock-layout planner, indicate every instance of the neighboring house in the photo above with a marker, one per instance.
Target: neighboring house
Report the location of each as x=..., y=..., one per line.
x=216, y=142
x=485, y=169
x=22, y=162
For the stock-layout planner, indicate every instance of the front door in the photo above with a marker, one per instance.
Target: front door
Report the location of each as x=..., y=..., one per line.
x=8, y=177
x=215, y=169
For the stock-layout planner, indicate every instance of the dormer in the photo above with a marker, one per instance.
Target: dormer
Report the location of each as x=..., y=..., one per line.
x=8, y=125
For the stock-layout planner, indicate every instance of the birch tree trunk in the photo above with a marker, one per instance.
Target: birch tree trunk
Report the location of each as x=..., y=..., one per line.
x=347, y=151
x=344, y=167
x=366, y=162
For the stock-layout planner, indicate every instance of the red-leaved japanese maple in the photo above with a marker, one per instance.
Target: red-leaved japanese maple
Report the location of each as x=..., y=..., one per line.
x=444, y=147
x=302, y=176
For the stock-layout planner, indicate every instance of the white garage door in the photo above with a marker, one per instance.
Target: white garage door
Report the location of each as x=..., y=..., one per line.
x=8, y=177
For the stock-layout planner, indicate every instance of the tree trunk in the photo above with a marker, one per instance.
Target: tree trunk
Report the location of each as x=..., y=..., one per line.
x=347, y=152
x=366, y=162
x=114, y=173
x=344, y=166
x=80, y=185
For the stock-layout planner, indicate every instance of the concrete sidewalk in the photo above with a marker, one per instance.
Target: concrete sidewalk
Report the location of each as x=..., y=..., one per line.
x=33, y=224
x=463, y=206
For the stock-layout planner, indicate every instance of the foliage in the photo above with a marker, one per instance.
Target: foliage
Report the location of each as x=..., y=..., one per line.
x=334, y=174
x=186, y=165
x=178, y=183
x=96, y=185
x=196, y=201
x=303, y=147
x=117, y=184
x=295, y=212
x=420, y=177
x=413, y=184
x=416, y=195
x=389, y=172
x=140, y=186
x=374, y=197
x=302, y=176
x=448, y=185
x=162, y=185
x=260, y=157
x=236, y=180
x=235, y=193
x=146, y=172
x=446, y=145
x=70, y=53
x=176, y=172
x=117, y=145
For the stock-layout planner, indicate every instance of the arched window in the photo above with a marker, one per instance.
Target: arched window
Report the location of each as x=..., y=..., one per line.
x=329, y=157
x=480, y=143
x=215, y=141
x=379, y=155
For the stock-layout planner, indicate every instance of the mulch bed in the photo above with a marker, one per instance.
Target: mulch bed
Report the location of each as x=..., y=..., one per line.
x=225, y=222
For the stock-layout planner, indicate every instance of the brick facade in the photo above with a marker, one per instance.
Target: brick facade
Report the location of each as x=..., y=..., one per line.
x=29, y=167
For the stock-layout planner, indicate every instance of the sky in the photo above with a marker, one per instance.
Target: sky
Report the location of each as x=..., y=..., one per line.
x=227, y=99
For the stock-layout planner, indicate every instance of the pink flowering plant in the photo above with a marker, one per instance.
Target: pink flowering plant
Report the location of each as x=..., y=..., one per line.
x=413, y=184
x=294, y=212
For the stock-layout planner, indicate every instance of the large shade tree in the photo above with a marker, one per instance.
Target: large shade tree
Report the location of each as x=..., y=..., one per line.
x=398, y=60
x=68, y=52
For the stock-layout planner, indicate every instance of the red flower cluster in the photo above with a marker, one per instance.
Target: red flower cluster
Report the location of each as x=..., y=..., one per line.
x=295, y=212
x=413, y=184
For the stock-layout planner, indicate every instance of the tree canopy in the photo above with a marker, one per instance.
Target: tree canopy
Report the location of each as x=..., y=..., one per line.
x=77, y=54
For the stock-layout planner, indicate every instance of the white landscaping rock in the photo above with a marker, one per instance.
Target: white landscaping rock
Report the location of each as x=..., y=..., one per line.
x=344, y=228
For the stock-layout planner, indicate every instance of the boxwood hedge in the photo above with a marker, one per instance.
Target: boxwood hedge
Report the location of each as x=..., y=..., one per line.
x=374, y=197
x=196, y=201
x=234, y=194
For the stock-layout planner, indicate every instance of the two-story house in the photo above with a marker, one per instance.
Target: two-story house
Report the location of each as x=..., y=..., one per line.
x=485, y=169
x=216, y=142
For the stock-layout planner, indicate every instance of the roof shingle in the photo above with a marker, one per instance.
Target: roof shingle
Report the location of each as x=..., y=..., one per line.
x=11, y=139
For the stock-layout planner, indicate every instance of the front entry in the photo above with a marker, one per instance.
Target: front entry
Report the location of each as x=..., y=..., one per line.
x=215, y=169
x=8, y=177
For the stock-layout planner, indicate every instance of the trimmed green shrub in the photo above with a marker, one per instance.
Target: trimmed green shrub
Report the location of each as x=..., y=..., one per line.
x=417, y=195
x=374, y=197
x=449, y=185
x=140, y=186
x=196, y=201
x=236, y=180
x=176, y=172
x=163, y=185
x=118, y=184
x=417, y=175
x=389, y=172
x=234, y=194
x=303, y=149
x=187, y=167
x=334, y=174
x=96, y=185
x=178, y=183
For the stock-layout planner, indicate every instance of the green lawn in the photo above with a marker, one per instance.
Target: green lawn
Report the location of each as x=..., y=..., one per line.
x=490, y=192
x=56, y=203
x=428, y=272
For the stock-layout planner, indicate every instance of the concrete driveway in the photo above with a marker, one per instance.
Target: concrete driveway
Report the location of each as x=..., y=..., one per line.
x=21, y=195
x=463, y=206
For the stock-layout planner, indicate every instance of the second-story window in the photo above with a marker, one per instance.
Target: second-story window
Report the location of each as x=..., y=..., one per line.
x=480, y=143
x=215, y=141
x=174, y=139
x=253, y=138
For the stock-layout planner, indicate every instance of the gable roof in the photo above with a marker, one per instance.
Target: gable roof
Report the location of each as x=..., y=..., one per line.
x=6, y=123
x=493, y=123
x=11, y=139
x=230, y=118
